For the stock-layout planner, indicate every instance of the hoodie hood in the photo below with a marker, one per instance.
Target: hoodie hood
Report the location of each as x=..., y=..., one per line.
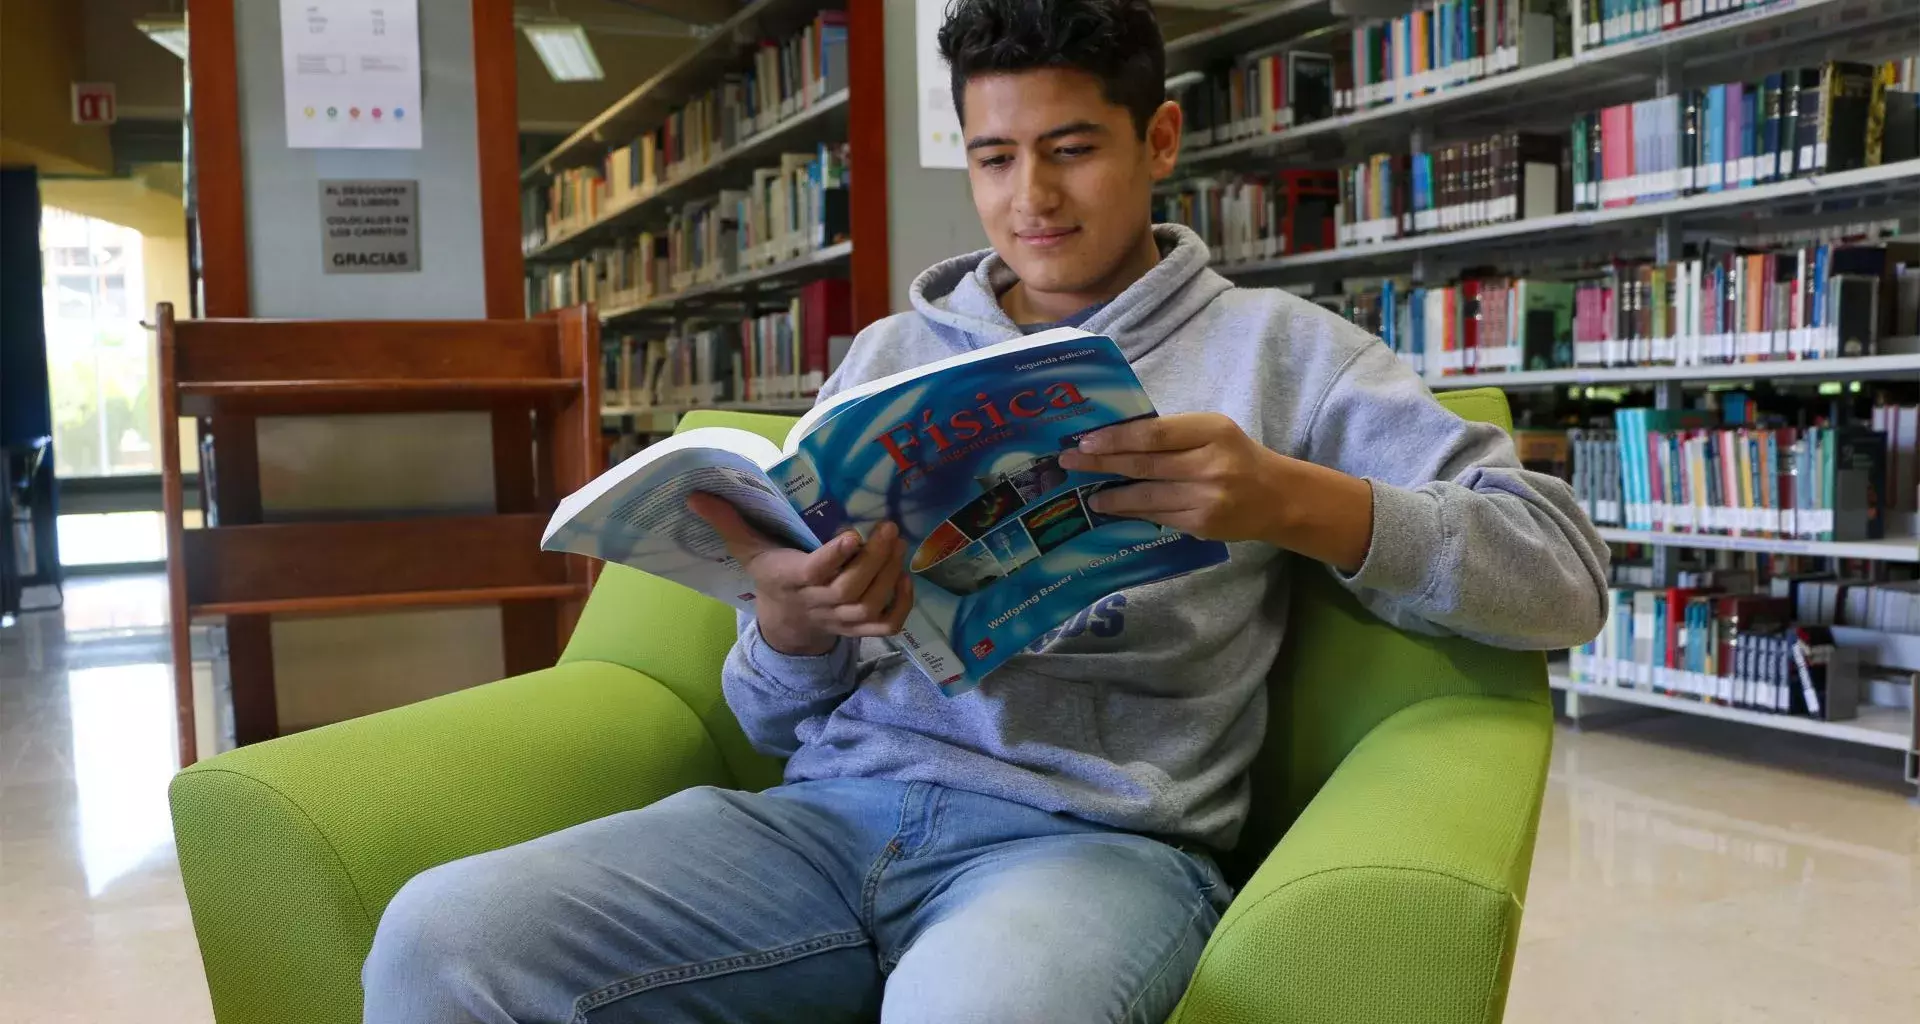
x=960, y=298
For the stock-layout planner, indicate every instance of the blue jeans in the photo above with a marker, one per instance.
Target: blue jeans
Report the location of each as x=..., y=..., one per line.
x=838, y=900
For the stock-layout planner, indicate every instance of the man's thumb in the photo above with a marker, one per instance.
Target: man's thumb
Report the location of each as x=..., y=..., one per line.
x=742, y=540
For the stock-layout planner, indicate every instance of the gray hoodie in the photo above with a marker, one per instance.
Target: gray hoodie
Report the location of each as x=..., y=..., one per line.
x=1143, y=711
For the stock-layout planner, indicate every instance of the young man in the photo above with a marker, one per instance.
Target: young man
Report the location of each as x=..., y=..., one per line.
x=1036, y=850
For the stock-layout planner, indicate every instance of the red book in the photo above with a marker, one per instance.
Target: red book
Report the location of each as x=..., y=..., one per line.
x=1616, y=155
x=1469, y=322
x=826, y=310
x=1677, y=598
x=1279, y=75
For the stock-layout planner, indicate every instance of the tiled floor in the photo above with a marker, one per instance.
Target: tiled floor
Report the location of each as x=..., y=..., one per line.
x=1682, y=874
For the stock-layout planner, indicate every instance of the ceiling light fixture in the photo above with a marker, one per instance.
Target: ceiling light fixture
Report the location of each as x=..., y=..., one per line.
x=564, y=49
x=169, y=30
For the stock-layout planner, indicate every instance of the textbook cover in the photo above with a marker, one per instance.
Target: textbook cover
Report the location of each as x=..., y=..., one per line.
x=963, y=455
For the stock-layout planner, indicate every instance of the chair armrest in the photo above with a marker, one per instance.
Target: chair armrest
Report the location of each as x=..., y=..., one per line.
x=1397, y=893
x=291, y=849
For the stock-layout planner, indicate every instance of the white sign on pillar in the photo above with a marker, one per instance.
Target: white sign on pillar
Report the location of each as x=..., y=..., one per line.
x=352, y=73
x=940, y=142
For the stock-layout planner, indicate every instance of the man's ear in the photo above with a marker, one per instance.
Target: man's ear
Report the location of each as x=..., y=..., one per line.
x=1163, y=139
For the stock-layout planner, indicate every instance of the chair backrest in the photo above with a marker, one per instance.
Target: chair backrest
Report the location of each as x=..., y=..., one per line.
x=677, y=636
x=1341, y=672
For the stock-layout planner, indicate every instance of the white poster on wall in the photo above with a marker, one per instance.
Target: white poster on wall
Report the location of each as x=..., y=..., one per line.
x=940, y=142
x=352, y=73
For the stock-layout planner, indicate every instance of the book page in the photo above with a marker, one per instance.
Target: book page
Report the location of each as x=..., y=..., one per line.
x=642, y=520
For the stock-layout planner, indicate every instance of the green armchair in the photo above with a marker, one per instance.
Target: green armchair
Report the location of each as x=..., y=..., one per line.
x=1384, y=867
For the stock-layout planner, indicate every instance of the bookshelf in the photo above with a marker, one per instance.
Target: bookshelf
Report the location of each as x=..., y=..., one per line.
x=825, y=121
x=1592, y=77
x=1640, y=271
x=1888, y=549
x=1894, y=188
x=538, y=377
x=1889, y=728
x=1285, y=22
x=718, y=190
x=830, y=261
x=1878, y=367
x=709, y=57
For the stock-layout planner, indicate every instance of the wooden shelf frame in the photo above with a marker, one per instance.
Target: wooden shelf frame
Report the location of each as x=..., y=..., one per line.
x=539, y=378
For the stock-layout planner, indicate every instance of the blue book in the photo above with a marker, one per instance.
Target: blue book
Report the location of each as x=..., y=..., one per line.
x=963, y=455
x=1715, y=132
x=1750, y=124
x=1417, y=327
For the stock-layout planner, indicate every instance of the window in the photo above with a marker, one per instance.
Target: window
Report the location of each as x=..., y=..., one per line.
x=100, y=361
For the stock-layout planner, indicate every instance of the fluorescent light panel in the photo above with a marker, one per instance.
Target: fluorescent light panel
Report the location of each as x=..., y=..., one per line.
x=169, y=31
x=564, y=49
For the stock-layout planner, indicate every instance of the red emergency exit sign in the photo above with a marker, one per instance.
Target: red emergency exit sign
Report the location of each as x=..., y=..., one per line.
x=93, y=103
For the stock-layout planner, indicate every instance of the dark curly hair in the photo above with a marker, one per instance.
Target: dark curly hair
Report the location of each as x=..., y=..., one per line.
x=1116, y=41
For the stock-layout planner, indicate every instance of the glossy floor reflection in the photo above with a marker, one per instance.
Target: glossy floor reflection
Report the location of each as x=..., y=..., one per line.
x=93, y=922
x=1686, y=872
x=1695, y=871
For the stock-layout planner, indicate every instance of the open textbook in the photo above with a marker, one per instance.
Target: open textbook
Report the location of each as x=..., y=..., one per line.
x=963, y=455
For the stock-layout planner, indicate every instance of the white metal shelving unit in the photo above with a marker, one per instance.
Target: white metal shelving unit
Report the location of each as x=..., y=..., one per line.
x=1897, y=184
x=1890, y=549
x=1597, y=75
x=1887, y=367
x=819, y=262
x=1886, y=727
x=825, y=119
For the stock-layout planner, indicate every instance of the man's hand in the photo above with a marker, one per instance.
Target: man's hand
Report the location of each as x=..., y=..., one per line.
x=807, y=600
x=1203, y=475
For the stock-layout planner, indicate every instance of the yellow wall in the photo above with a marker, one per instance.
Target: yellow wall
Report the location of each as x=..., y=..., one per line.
x=41, y=56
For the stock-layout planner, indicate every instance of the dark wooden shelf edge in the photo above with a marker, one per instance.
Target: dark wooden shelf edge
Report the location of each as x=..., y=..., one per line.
x=349, y=603
x=379, y=385
x=287, y=398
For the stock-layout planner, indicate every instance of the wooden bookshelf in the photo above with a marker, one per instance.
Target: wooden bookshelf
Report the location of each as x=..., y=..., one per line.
x=770, y=406
x=540, y=376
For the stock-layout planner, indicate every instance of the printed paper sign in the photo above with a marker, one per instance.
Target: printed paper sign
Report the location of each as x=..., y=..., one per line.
x=352, y=73
x=368, y=227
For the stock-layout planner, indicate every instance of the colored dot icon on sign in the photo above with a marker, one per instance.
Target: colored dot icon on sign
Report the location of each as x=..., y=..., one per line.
x=333, y=112
x=353, y=112
x=399, y=112
x=376, y=113
x=308, y=111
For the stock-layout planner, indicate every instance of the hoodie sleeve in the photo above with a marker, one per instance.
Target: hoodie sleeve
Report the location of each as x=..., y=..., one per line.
x=778, y=696
x=1464, y=539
